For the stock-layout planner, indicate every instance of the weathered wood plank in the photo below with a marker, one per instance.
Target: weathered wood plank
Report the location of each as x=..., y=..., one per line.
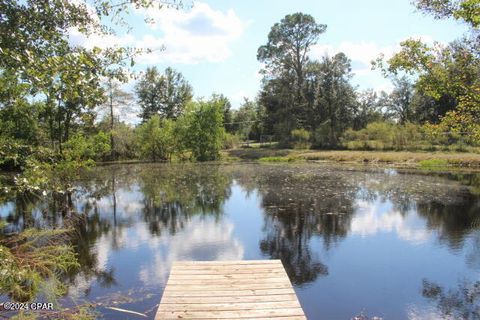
x=239, y=271
x=228, y=262
x=222, y=293
x=260, y=267
x=213, y=287
x=227, y=281
x=182, y=299
x=229, y=306
x=257, y=289
x=206, y=275
x=240, y=314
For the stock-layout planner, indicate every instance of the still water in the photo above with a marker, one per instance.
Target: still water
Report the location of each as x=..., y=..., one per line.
x=354, y=242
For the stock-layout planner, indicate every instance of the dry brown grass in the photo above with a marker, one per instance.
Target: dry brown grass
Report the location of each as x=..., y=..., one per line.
x=404, y=158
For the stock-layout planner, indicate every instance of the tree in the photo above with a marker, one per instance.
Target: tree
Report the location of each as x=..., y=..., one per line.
x=245, y=118
x=277, y=99
x=201, y=129
x=367, y=110
x=62, y=79
x=467, y=11
x=399, y=102
x=288, y=45
x=448, y=75
x=116, y=99
x=163, y=94
x=156, y=138
x=72, y=89
x=32, y=31
x=285, y=57
x=227, y=112
x=334, y=100
x=18, y=117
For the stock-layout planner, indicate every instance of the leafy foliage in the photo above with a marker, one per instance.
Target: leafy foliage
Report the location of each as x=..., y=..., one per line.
x=156, y=138
x=81, y=148
x=409, y=136
x=447, y=75
x=286, y=59
x=163, y=94
x=465, y=10
x=201, y=129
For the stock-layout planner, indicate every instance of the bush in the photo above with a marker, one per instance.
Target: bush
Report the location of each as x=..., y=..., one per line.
x=156, y=139
x=201, y=130
x=80, y=148
x=386, y=136
x=125, y=142
x=231, y=141
x=300, y=138
x=14, y=155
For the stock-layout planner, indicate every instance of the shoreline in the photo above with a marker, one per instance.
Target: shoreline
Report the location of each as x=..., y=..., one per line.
x=398, y=159
x=435, y=161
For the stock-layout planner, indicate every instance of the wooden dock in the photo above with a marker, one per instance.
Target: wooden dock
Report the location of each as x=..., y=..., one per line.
x=255, y=289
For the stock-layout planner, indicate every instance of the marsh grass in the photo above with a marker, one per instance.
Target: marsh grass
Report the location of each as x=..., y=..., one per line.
x=400, y=158
x=434, y=164
x=278, y=159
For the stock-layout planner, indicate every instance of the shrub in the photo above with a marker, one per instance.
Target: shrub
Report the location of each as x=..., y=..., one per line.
x=156, y=139
x=15, y=155
x=81, y=148
x=231, y=141
x=201, y=130
x=386, y=136
x=300, y=138
x=321, y=136
x=125, y=142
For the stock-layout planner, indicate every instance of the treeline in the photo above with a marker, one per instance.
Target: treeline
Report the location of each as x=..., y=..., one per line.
x=435, y=100
x=63, y=103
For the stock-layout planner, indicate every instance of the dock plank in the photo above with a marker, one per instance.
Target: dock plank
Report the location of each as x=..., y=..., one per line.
x=255, y=289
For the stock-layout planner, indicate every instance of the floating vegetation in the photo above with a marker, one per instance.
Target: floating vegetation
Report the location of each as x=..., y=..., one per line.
x=277, y=159
x=434, y=164
x=31, y=257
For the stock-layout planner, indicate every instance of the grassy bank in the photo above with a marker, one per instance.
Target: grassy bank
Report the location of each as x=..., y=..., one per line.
x=400, y=158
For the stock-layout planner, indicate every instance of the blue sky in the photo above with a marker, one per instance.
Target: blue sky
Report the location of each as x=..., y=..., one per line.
x=214, y=43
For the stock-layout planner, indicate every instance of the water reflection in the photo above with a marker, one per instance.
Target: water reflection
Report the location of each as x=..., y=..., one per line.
x=135, y=220
x=377, y=216
x=203, y=239
x=462, y=302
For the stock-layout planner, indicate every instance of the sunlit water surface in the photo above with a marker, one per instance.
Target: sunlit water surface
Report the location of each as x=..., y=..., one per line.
x=354, y=242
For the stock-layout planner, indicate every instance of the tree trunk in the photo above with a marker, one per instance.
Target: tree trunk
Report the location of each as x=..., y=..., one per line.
x=59, y=122
x=112, y=140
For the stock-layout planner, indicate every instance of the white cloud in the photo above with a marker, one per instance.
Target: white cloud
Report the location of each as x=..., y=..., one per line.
x=97, y=40
x=370, y=220
x=198, y=35
x=387, y=87
x=363, y=52
x=202, y=238
x=237, y=98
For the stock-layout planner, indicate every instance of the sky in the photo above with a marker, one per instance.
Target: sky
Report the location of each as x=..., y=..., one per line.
x=214, y=43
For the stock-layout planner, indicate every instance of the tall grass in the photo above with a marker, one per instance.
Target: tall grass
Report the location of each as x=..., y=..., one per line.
x=385, y=136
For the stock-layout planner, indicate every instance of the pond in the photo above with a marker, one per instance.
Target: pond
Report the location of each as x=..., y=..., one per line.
x=354, y=241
